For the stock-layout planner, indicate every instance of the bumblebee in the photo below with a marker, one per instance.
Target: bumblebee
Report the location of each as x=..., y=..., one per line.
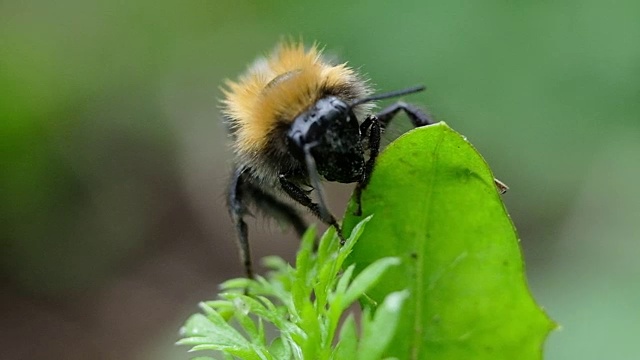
x=296, y=119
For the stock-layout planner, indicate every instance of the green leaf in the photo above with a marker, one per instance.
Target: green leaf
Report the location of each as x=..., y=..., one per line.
x=202, y=329
x=304, y=303
x=348, y=345
x=279, y=349
x=345, y=279
x=437, y=209
x=366, y=279
x=378, y=332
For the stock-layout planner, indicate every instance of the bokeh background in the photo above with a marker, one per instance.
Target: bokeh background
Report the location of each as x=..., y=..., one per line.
x=113, y=160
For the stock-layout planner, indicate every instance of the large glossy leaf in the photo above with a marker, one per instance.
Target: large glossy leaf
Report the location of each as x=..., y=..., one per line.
x=436, y=207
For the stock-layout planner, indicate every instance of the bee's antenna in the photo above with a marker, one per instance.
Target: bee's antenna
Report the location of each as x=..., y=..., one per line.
x=391, y=94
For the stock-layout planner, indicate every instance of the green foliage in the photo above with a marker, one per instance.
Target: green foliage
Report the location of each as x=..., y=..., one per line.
x=437, y=208
x=439, y=273
x=304, y=304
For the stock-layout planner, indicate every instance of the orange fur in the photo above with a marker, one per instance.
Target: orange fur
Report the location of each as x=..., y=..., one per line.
x=278, y=88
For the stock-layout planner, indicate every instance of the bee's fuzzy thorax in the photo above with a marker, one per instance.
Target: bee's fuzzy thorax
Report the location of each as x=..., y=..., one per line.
x=276, y=89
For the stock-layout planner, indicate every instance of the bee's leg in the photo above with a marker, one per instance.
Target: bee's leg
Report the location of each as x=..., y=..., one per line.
x=277, y=209
x=374, y=124
x=371, y=124
x=237, y=209
x=417, y=116
x=299, y=195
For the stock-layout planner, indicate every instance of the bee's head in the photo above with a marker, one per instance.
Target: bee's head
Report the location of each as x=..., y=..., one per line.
x=331, y=131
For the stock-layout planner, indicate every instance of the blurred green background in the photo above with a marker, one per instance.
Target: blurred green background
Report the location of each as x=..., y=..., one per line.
x=113, y=159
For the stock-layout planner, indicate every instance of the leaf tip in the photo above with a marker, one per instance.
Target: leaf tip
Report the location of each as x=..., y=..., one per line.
x=394, y=301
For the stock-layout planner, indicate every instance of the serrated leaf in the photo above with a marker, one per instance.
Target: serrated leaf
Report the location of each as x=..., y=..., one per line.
x=378, y=332
x=348, y=343
x=274, y=263
x=303, y=303
x=263, y=308
x=328, y=245
x=366, y=279
x=225, y=308
x=237, y=283
x=279, y=349
x=202, y=329
x=249, y=327
x=344, y=280
x=240, y=352
x=355, y=233
x=304, y=257
x=436, y=207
